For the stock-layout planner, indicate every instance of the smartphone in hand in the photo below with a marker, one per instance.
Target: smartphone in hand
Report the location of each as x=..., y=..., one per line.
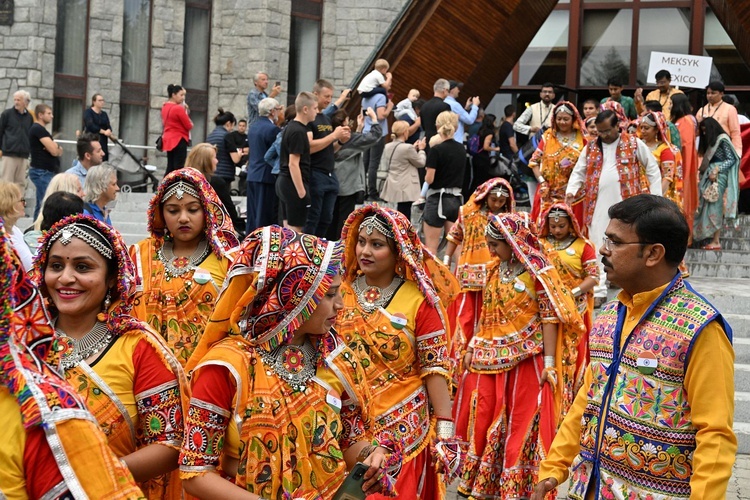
x=351, y=489
x=277, y=84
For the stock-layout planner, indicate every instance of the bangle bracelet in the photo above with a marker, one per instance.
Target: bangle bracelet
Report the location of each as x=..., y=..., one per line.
x=444, y=419
x=446, y=259
x=540, y=179
x=445, y=429
x=549, y=361
x=576, y=291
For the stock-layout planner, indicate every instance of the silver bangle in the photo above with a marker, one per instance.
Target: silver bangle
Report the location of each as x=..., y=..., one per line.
x=445, y=429
x=576, y=291
x=446, y=259
x=540, y=179
x=549, y=361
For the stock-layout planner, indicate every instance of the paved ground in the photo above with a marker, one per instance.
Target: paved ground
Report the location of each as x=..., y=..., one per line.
x=739, y=484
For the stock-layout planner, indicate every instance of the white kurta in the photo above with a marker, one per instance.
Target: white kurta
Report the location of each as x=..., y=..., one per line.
x=610, y=193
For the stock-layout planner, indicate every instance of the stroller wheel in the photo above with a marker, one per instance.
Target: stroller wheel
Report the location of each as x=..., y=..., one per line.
x=125, y=188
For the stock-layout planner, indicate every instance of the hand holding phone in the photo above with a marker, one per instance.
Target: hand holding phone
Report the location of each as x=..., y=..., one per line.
x=351, y=489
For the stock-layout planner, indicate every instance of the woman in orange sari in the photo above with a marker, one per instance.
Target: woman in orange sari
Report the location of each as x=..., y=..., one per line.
x=574, y=257
x=394, y=320
x=682, y=114
x=278, y=406
x=555, y=157
x=490, y=198
x=182, y=266
x=120, y=367
x=505, y=409
x=52, y=446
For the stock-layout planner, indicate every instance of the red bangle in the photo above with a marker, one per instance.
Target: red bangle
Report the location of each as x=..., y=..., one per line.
x=447, y=419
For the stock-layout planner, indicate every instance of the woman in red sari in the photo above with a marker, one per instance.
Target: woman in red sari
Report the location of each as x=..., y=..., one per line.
x=505, y=409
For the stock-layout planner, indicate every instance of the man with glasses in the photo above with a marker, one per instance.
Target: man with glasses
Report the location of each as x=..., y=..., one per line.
x=537, y=115
x=610, y=169
x=653, y=417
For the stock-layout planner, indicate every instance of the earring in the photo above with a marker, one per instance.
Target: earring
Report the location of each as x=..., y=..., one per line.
x=400, y=270
x=102, y=316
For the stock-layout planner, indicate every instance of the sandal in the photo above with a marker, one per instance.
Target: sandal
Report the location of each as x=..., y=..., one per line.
x=711, y=246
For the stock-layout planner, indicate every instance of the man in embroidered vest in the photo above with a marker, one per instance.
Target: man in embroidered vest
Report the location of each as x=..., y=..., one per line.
x=653, y=418
x=610, y=169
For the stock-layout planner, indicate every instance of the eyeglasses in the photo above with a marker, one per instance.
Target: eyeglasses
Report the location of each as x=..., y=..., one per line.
x=610, y=245
x=22, y=200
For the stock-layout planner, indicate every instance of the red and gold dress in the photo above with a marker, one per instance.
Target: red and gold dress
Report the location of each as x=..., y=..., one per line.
x=505, y=419
x=396, y=358
x=575, y=260
x=177, y=303
x=133, y=387
x=473, y=263
x=288, y=437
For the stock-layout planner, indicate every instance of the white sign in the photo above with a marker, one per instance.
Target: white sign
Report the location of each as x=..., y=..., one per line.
x=687, y=70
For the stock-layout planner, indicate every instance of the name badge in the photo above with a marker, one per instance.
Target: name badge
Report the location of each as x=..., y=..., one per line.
x=333, y=400
x=398, y=320
x=570, y=251
x=201, y=276
x=647, y=363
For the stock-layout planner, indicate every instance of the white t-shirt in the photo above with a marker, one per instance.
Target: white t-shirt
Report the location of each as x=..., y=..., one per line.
x=370, y=81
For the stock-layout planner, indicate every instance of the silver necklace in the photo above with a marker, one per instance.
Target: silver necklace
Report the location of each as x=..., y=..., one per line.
x=560, y=244
x=295, y=364
x=508, y=273
x=82, y=349
x=373, y=297
x=177, y=266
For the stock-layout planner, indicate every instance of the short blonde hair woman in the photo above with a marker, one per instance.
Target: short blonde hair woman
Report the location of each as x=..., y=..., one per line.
x=69, y=183
x=445, y=174
x=12, y=208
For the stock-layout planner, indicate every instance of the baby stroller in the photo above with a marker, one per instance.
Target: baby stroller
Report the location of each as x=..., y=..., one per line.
x=133, y=174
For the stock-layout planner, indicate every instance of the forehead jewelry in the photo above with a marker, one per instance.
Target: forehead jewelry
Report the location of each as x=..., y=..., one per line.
x=371, y=223
x=493, y=233
x=179, y=189
x=500, y=191
x=564, y=109
x=90, y=235
x=556, y=214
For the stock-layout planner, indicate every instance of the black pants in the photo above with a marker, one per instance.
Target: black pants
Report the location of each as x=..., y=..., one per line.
x=372, y=162
x=343, y=208
x=176, y=157
x=405, y=208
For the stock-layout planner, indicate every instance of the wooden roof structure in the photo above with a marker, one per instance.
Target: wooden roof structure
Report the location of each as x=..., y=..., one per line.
x=480, y=41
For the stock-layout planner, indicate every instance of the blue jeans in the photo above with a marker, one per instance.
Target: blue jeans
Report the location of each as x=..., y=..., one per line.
x=41, y=179
x=324, y=189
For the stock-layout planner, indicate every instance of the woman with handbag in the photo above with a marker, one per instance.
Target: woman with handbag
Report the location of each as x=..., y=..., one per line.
x=177, y=126
x=719, y=183
x=400, y=162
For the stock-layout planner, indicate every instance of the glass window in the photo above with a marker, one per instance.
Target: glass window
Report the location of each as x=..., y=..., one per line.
x=135, y=41
x=728, y=65
x=605, y=46
x=67, y=118
x=133, y=124
x=303, y=57
x=661, y=30
x=545, y=57
x=70, y=46
x=195, y=58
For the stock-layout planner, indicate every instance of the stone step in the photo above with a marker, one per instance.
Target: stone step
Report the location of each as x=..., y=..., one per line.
x=741, y=350
x=721, y=257
x=742, y=420
x=742, y=381
x=705, y=270
x=742, y=230
x=733, y=307
x=740, y=324
x=735, y=244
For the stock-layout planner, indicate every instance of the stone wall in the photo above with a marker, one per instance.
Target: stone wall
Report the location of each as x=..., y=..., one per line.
x=27, y=52
x=351, y=31
x=246, y=36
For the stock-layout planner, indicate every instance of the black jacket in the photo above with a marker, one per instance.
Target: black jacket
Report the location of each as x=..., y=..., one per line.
x=14, y=133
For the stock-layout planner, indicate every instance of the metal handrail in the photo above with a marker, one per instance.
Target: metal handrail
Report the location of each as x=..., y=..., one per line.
x=135, y=146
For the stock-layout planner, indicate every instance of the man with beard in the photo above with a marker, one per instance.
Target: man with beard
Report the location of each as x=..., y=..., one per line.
x=537, y=115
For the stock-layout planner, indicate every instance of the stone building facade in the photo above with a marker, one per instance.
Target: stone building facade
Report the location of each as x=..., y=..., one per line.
x=64, y=51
